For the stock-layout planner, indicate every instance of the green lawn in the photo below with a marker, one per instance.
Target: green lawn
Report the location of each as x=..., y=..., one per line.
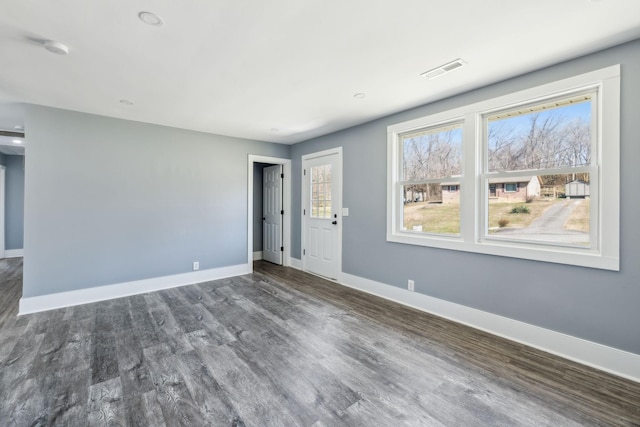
x=445, y=218
x=579, y=218
x=502, y=210
x=433, y=217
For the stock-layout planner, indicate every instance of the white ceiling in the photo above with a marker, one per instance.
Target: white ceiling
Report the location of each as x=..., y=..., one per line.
x=11, y=148
x=283, y=70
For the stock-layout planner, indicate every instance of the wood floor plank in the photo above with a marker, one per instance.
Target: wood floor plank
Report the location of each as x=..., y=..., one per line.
x=209, y=396
x=254, y=396
x=104, y=357
x=10, y=289
x=133, y=369
x=27, y=404
x=168, y=331
x=174, y=398
x=77, y=351
x=143, y=410
x=51, y=352
x=363, y=411
x=281, y=347
x=71, y=395
x=17, y=366
x=105, y=406
x=144, y=331
x=215, y=330
x=152, y=409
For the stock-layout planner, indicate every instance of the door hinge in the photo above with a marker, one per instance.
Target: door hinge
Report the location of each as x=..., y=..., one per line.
x=304, y=252
x=281, y=175
x=304, y=211
x=282, y=212
x=304, y=171
x=281, y=248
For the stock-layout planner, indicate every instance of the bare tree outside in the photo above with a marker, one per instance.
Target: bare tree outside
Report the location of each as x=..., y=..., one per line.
x=538, y=139
x=531, y=141
x=547, y=139
x=431, y=155
x=434, y=154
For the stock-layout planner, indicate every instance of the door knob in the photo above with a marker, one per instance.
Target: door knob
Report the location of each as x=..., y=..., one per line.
x=334, y=222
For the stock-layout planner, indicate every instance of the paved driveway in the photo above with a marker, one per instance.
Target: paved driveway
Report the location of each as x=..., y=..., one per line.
x=549, y=227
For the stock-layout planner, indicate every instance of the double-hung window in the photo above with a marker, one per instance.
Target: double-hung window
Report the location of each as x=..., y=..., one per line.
x=532, y=174
x=431, y=162
x=540, y=151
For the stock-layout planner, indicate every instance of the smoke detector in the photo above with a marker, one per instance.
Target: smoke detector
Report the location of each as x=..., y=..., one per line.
x=56, y=47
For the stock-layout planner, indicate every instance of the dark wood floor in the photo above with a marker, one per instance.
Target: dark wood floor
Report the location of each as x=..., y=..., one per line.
x=282, y=348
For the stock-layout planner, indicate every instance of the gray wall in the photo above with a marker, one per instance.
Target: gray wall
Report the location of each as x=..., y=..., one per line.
x=14, y=202
x=257, y=205
x=2, y=159
x=596, y=305
x=109, y=201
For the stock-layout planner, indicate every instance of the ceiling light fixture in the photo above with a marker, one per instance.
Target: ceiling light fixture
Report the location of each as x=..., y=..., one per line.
x=126, y=102
x=359, y=95
x=17, y=141
x=150, y=18
x=56, y=47
x=438, y=71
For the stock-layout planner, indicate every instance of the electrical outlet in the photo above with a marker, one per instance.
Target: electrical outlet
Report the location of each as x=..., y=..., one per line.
x=410, y=285
x=196, y=265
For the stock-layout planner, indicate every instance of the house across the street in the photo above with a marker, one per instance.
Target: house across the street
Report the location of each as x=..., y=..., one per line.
x=516, y=189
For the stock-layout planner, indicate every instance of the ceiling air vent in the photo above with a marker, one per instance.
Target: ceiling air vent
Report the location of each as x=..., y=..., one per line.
x=438, y=71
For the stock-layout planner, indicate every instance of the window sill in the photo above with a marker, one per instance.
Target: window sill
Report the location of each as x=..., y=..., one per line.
x=558, y=255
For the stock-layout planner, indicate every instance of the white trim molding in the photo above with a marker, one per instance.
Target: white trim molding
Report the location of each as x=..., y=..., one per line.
x=336, y=205
x=13, y=253
x=257, y=255
x=119, y=290
x=603, y=244
x=602, y=357
x=286, y=203
x=295, y=263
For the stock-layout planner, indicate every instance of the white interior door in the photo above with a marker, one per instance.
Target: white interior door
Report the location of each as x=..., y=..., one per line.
x=322, y=213
x=272, y=214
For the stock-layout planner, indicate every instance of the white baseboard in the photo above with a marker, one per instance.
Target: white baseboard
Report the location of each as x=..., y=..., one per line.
x=13, y=253
x=257, y=255
x=118, y=290
x=295, y=263
x=608, y=359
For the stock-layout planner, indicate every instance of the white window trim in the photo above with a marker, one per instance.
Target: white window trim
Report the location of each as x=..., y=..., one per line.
x=605, y=251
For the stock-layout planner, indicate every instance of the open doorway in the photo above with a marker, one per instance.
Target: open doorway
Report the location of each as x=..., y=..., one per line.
x=259, y=237
x=12, y=165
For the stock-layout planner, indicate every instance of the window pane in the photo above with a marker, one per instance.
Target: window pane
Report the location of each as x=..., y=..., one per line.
x=321, y=191
x=432, y=153
x=544, y=208
x=510, y=187
x=431, y=208
x=543, y=136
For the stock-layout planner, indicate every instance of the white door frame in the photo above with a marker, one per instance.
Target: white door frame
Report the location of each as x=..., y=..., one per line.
x=305, y=195
x=286, y=203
